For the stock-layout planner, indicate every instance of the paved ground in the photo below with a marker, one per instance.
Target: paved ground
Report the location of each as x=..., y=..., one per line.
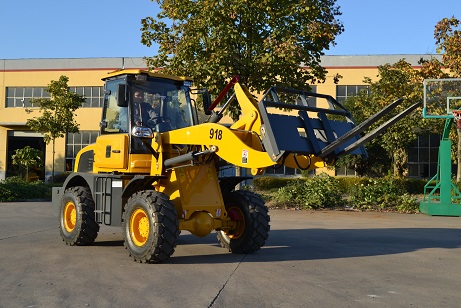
x=312, y=259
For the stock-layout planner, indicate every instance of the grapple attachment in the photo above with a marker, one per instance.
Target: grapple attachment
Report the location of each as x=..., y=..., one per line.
x=303, y=129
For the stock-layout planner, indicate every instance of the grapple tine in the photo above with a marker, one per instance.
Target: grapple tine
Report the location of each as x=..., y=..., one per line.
x=378, y=131
x=359, y=128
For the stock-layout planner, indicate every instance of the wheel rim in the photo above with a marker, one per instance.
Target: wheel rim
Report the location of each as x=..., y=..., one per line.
x=237, y=215
x=70, y=216
x=139, y=227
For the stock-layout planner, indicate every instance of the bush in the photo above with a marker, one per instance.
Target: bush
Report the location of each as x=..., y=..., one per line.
x=7, y=194
x=16, y=189
x=411, y=186
x=270, y=182
x=414, y=186
x=382, y=193
x=407, y=204
x=321, y=191
x=348, y=184
x=60, y=178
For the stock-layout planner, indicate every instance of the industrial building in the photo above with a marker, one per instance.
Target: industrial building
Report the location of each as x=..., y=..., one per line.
x=24, y=79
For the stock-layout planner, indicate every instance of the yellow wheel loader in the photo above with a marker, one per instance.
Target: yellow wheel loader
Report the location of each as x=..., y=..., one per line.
x=155, y=168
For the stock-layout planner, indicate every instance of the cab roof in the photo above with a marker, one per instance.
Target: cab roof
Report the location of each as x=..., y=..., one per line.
x=146, y=72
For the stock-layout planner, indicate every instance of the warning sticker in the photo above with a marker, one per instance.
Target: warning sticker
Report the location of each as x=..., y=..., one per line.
x=244, y=156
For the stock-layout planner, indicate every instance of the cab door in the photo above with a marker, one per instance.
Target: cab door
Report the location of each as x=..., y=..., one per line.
x=111, y=153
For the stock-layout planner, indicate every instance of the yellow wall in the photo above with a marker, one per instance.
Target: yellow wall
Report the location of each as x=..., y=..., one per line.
x=88, y=118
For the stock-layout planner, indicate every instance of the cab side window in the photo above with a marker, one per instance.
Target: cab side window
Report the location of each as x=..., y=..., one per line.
x=115, y=117
x=180, y=113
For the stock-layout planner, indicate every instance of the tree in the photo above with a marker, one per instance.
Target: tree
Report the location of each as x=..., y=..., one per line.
x=57, y=113
x=448, y=39
x=27, y=158
x=264, y=42
x=394, y=81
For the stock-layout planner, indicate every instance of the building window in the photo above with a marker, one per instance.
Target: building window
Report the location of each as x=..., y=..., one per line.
x=283, y=170
x=343, y=171
x=75, y=142
x=21, y=96
x=311, y=100
x=94, y=96
x=343, y=92
x=423, y=156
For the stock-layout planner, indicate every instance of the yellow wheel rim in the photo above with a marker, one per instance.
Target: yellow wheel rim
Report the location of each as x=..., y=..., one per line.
x=139, y=227
x=239, y=226
x=70, y=216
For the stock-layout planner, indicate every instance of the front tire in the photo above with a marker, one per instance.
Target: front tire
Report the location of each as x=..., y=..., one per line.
x=150, y=227
x=77, y=221
x=251, y=218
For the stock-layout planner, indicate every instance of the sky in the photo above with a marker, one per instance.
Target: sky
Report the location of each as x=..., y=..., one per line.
x=111, y=28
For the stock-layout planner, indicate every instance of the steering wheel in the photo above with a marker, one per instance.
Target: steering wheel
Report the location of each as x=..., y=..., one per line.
x=158, y=119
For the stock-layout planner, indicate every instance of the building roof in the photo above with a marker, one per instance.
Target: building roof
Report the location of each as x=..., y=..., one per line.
x=374, y=60
x=72, y=64
x=139, y=63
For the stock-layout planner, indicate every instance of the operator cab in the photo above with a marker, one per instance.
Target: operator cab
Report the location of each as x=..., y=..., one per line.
x=139, y=103
x=140, y=100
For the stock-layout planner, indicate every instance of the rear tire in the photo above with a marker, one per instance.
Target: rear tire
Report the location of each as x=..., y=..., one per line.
x=77, y=224
x=252, y=223
x=150, y=227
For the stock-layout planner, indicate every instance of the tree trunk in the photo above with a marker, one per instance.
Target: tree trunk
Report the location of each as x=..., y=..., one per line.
x=400, y=159
x=52, y=164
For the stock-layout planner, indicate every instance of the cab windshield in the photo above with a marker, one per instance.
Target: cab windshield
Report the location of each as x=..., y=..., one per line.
x=160, y=102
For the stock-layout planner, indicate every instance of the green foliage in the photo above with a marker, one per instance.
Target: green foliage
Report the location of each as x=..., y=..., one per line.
x=407, y=204
x=57, y=113
x=61, y=177
x=397, y=194
x=27, y=158
x=348, y=184
x=447, y=34
x=398, y=80
x=382, y=193
x=270, y=182
x=16, y=189
x=411, y=186
x=414, y=186
x=320, y=191
x=375, y=165
x=264, y=42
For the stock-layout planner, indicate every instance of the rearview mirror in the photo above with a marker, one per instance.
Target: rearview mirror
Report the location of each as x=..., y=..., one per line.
x=206, y=101
x=121, y=95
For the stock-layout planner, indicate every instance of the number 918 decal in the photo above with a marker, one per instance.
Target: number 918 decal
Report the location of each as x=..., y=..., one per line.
x=216, y=134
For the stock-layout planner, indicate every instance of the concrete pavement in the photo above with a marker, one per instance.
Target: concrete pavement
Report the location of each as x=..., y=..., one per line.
x=311, y=259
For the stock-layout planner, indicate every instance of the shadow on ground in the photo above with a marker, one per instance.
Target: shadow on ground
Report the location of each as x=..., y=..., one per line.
x=316, y=244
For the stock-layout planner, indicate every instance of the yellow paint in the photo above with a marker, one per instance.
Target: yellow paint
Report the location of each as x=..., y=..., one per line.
x=139, y=227
x=230, y=146
x=150, y=73
x=111, y=153
x=196, y=195
x=69, y=216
